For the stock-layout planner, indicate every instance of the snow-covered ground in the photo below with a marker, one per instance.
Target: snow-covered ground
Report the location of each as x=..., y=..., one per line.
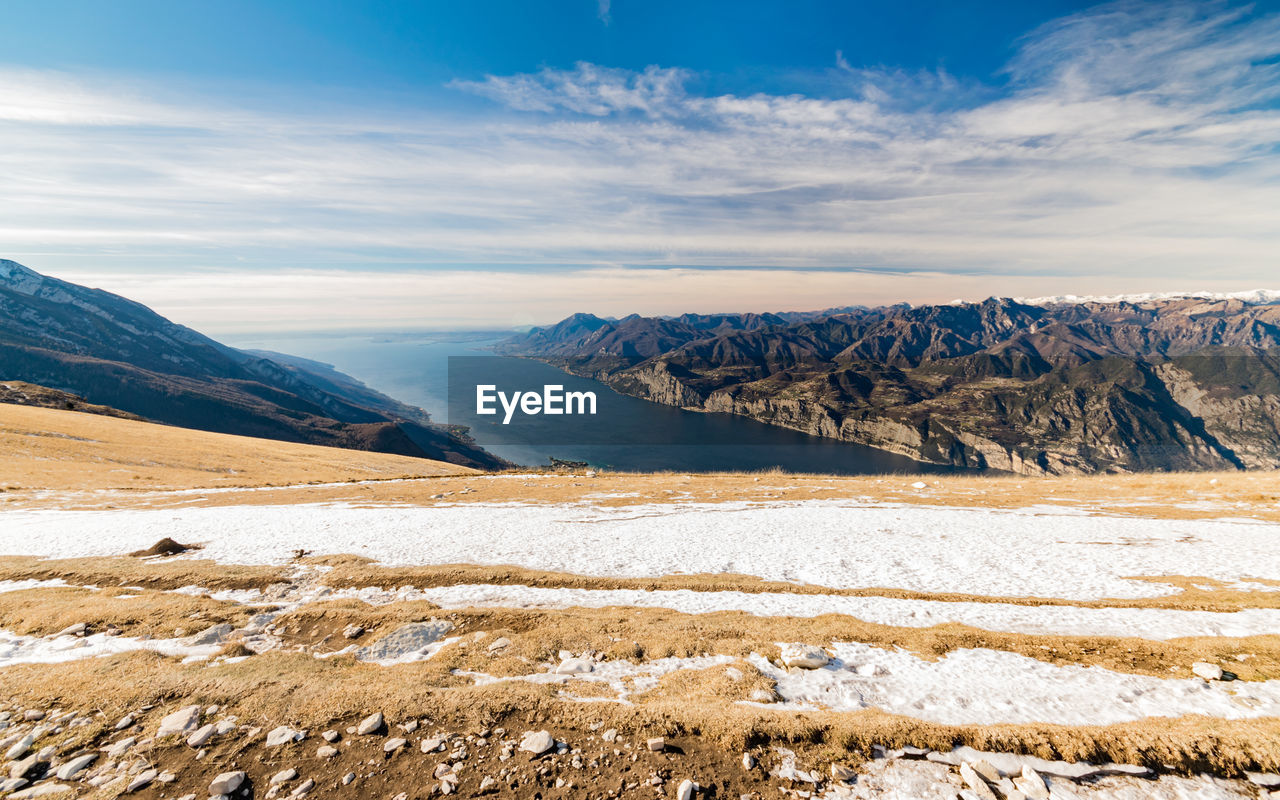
x=17, y=649
x=1062, y=620
x=984, y=687
x=1040, y=553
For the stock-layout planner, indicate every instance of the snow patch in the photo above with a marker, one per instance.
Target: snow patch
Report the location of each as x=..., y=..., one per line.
x=830, y=543
x=985, y=687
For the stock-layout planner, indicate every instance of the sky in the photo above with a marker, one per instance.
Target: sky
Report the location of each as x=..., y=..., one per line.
x=322, y=165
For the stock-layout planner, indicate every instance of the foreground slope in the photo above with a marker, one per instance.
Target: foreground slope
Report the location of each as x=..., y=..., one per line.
x=118, y=353
x=59, y=449
x=523, y=635
x=1052, y=388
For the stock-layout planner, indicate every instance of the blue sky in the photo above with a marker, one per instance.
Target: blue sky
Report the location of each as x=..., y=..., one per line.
x=250, y=165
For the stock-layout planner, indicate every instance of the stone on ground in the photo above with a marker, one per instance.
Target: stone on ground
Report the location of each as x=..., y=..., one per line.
x=537, y=742
x=226, y=783
x=370, y=724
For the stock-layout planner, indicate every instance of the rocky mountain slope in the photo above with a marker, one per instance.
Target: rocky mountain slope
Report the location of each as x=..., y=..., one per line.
x=28, y=394
x=115, y=352
x=1177, y=383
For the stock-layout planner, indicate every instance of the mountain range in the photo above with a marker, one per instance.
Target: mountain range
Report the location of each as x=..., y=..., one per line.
x=1056, y=386
x=114, y=352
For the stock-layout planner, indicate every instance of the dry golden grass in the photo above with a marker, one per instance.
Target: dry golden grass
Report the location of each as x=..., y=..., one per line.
x=41, y=612
x=66, y=450
x=78, y=455
x=626, y=633
x=160, y=573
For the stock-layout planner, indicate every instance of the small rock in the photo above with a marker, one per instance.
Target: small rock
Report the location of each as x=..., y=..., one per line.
x=124, y=722
x=182, y=721
x=537, y=742
x=33, y=715
x=284, y=776
x=75, y=766
x=121, y=747
x=226, y=783
x=43, y=790
x=574, y=666
x=804, y=656
x=1031, y=784
x=393, y=745
x=976, y=784
x=1210, y=672
x=214, y=634
x=686, y=789
x=610, y=735
x=432, y=745
x=201, y=736
x=20, y=747
x=984, y=768
x=657, y=744
x=283, y=735
x=348, y=778
x=486, y=784
x=353, y=631
x=166, y=777
x=840, y=772
x=1263, y=779
x=370, y=724
x=748, y=761
x=303, y=788
x=501, y=643
x=20, y=769
x=142, y=780
x=326, y=751
x=329, y=736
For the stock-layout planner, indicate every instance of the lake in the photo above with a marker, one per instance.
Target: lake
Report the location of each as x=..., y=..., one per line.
x=626, y=433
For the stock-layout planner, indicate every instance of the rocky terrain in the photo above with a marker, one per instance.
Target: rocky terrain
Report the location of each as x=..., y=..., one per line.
x=1046, y=388
x=113, y=352
x=195, y=615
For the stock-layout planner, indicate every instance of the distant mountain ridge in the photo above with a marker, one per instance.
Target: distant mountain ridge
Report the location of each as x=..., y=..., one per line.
x=1055, y=387
x=118, y=353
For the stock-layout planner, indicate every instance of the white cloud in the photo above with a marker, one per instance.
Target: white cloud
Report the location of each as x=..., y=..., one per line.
x=237, y=301
x=1134, y=150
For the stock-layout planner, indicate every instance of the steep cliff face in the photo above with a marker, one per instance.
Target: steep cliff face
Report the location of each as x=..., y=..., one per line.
x=1175, y=384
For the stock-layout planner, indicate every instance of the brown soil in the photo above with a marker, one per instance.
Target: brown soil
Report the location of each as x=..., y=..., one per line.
x=165, y=547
